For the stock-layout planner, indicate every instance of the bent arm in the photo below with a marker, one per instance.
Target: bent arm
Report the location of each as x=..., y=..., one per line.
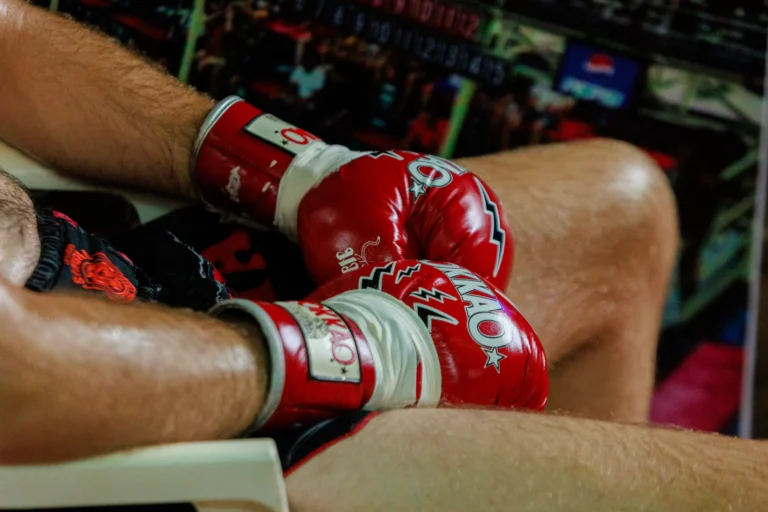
x=453, y=460
x=80, y=376
x=79, y=102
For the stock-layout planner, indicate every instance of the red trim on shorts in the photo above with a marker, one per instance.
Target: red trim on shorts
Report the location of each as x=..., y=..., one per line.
x=65, y=218
x=360, y=426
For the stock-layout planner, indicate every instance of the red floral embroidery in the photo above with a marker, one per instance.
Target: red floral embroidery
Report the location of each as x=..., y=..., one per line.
x=63, y=217
x=98, y=273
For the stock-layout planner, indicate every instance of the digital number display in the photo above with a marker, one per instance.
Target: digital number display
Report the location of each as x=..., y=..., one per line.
x=458, y=20
x=430, y=46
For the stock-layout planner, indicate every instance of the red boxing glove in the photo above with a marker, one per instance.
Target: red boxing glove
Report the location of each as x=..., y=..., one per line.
x=488, y=353
x=408, y=333
x=349, y=209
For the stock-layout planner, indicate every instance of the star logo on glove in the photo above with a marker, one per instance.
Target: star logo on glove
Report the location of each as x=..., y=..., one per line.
x=417, y=189
x=494, y=358
x=284, y=142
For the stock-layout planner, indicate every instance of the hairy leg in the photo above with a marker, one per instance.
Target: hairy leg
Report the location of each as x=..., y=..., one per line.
x=595, y=230
x=501, y=460
x=19, y=241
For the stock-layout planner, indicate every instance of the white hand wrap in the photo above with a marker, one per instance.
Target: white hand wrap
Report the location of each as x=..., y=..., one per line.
x=306, y=171
x=399, y=341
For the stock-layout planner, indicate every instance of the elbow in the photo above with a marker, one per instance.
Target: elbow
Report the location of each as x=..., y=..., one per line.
x=17, y=446
x=20, y=403
x=39, y=420
x=12, y=453
x=24, y=440
x=37, y=432
x=15, y=451
x=32, y=426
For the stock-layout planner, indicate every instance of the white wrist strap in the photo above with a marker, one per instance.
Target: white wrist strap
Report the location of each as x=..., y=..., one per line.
x=274, y=343
x=306, y=170
x=399, y=341
x=210, y=120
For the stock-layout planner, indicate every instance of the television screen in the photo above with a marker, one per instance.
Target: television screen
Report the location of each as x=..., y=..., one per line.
x=594, y=74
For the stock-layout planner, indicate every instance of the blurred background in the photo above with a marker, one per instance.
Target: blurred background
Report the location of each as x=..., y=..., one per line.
x=681, y=79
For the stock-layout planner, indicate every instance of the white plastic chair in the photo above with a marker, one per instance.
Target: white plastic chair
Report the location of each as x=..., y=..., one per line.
x=216, y=476
x=243, y=475
x=38, y=177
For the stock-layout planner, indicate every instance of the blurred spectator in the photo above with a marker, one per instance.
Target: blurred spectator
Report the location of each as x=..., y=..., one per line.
x=428, y=130
x=308, y=79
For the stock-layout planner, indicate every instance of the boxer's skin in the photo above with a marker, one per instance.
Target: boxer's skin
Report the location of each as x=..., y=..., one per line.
x=509, y=461
x=80, y=376
x=19, y=241
x=595, y=228
x=594, y=223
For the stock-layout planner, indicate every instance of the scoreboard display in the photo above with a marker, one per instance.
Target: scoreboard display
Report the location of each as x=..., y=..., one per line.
x=431, y=31
x=460, y=20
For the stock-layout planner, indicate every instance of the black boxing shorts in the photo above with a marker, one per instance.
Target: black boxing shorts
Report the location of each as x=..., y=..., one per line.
x=72, y=259
x=298, y=445
x=188, y=259
x=257, y=264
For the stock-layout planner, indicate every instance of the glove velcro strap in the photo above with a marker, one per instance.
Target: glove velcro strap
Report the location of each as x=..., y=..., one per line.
x=240, y=159
x=320, y=361
x=242, y=155
x=212, y=118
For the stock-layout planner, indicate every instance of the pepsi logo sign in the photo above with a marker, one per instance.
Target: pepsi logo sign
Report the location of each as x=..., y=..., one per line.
x=600, y=64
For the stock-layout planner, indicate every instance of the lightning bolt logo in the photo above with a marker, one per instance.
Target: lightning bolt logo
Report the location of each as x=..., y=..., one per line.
x=428, y=314
x=390, y=154
x=434, y=293
x=408, y=272
x=498, y=236
x=374, y=280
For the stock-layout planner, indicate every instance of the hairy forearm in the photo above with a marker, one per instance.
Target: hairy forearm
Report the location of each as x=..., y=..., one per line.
x=81, y=376
x=79, y=102
x=485, y=460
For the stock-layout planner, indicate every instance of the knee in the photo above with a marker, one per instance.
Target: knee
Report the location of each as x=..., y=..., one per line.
x=599, y=211
x=633, y=211
x=635, y=181
x=19, y=241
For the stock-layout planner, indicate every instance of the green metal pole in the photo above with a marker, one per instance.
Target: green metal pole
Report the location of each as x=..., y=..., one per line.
x=458, y=114
x=196, y=28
